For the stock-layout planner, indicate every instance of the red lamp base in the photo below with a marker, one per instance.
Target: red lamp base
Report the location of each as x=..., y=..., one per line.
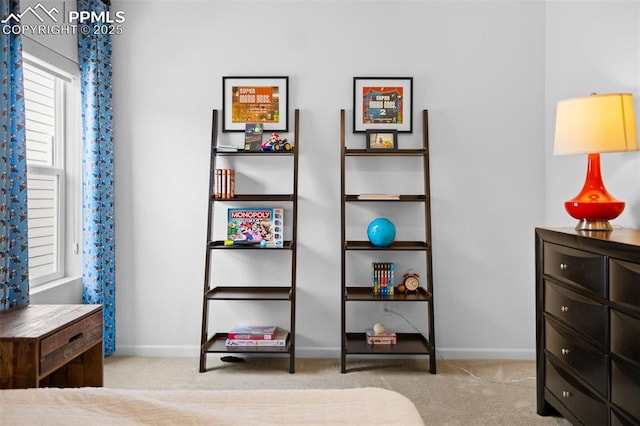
x=594, y=207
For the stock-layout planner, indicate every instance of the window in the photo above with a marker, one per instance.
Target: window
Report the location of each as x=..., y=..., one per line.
x=45, y=91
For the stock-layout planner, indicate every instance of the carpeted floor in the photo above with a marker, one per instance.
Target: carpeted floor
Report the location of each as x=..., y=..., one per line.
x=479, y=392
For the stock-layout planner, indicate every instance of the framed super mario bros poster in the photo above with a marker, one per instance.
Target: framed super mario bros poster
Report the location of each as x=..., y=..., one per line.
x=262, y=100
x=382, y=103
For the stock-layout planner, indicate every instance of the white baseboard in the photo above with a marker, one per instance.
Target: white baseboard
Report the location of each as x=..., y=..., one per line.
x=157, y=351
x=481, y=353
x=194, y=351
x=306, y=352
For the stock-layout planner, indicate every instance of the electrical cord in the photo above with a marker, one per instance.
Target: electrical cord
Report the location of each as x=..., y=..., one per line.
x=501, y=382
x=386, y=309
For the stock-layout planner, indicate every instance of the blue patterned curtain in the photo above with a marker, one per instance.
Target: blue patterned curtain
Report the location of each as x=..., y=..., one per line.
x=14, y=245
x=98, y=215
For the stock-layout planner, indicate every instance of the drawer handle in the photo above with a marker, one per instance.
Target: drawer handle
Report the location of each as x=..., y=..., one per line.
x=564, y=351
x=566, y=394
x=76, y=337
x=564, y=266
x=564, y=308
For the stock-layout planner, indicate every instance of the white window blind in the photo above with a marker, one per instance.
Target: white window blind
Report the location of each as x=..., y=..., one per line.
x=44, y=115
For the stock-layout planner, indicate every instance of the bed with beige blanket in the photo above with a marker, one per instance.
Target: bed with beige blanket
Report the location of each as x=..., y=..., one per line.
x=104, y=406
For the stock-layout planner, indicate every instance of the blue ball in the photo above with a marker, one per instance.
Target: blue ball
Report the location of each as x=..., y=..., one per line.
x=381, y=232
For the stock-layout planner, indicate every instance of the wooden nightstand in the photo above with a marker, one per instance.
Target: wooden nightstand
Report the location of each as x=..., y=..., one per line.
x=51, y=346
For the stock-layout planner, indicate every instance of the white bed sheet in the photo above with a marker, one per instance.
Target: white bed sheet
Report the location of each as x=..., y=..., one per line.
x=103, y=406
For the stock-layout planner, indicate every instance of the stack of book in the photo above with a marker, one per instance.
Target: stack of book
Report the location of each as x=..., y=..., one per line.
x=226, y=148
x=253, y=335
x=384, y=338
x=382, y=279
x=224, y=184
x=378, y=196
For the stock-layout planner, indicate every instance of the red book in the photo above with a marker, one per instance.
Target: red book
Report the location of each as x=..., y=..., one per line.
x=252, y=332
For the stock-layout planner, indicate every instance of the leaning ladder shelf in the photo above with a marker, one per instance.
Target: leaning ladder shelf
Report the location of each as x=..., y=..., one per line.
x=355, y=343
x=214, y=342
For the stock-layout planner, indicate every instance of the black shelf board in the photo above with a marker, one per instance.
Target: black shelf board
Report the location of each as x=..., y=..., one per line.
x=396, y=245
x=364, y=294
x=249, y=293
x=219, y=245
x=418, y=198
x=216, y=344
x=256, y=197
x=406, y=344
x=256, y=153
x=399, y=153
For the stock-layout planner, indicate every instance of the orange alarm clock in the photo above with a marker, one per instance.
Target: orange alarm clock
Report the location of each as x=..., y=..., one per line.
x=410, y=282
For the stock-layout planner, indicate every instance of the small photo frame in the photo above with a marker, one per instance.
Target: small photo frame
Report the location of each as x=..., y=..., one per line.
x=382, y=103
x=382, y=140
x=262, y=100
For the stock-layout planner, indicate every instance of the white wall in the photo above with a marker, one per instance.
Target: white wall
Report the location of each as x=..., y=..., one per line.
x=591, y=48
x=487, y=73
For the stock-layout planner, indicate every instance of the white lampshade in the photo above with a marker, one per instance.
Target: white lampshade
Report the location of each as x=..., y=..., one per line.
x=595, y=124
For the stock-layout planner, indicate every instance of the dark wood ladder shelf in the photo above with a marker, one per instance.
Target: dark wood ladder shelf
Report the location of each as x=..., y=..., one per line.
x=355, y=343
x=213, y=292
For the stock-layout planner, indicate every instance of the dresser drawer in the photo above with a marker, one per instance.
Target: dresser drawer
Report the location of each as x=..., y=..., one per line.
x=581, y=268
x=625, y=388
x=579, y=312
x=624, y=283
x=584, y=359
x=587, y=407
x=625, y=337
x=618, y=419
x=66, y=344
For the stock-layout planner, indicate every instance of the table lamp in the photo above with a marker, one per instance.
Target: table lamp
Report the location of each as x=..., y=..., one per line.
x=591, y=125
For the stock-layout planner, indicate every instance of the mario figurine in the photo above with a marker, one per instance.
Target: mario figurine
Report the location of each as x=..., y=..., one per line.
x=274, y=143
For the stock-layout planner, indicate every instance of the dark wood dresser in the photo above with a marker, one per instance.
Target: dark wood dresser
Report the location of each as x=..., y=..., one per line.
x=588, y=325
x=51, y=346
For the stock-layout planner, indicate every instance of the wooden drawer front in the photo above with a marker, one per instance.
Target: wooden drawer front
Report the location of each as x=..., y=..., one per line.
x=587, y=361
x=581, y=313
x=66, y=344
x=618, y=419
x=576, y=266
x=580, y=401
x=624, y=283
x=625, y=336
x=625, y=388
